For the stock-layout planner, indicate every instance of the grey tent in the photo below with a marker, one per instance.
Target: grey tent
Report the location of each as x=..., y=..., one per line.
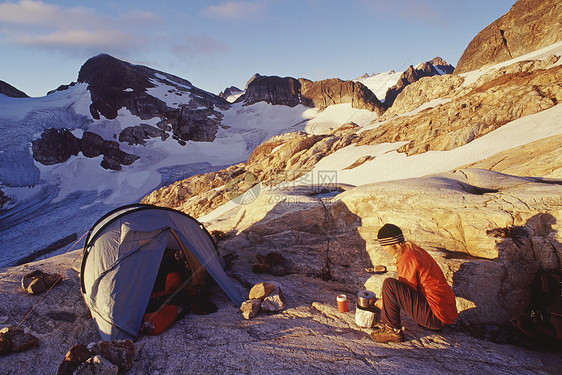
x=122, y=254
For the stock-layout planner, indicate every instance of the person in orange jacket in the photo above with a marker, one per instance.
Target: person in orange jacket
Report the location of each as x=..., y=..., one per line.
x=421, y=289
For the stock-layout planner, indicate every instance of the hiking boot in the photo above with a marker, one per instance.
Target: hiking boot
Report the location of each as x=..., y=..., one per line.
x=383, y=333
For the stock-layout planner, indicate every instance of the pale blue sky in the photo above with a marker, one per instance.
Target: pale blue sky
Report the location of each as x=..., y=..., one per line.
x=215, y=44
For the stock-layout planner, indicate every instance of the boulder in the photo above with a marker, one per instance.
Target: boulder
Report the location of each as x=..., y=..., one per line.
x=488, y=231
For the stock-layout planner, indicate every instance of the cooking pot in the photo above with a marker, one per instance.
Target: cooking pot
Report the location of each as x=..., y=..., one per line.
x=366, y=299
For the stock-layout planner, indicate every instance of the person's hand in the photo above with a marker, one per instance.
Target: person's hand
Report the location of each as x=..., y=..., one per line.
x=378, y=303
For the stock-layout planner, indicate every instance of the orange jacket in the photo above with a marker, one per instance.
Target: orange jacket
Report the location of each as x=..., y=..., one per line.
x=420, y=271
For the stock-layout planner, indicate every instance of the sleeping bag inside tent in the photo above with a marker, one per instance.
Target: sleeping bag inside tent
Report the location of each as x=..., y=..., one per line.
x=122, y=256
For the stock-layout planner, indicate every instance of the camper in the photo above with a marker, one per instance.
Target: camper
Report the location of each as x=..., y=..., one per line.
x=122, y=256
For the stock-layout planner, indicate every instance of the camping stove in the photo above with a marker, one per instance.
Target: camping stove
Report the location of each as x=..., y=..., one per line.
x=366, y=313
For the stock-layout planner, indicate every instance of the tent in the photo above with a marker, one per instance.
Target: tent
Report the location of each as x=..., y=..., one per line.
x=122, y=255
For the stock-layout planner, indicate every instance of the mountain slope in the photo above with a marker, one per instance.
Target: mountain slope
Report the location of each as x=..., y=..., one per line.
x=528, y=26
x=11, y=91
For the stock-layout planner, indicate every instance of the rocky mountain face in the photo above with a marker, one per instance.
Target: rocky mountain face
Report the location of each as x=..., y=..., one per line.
x=468, y=111
x=528, y=26
x=116, y=84
x=435, y=67
x=318, y=94
x=11, y=91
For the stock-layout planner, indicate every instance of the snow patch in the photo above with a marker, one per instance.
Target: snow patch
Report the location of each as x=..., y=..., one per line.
x=380, y=83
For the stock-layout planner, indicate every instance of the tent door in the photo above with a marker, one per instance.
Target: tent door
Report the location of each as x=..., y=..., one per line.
x=198, y=272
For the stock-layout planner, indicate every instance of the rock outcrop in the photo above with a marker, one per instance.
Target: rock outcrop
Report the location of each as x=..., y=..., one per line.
x=528, y=26
x=489, y=232
x=318, y=94
x=321, y=94
x=11, y=91
x=116, y=84
x=295, y=154
x=58, y=145
x=273, y=90
x=435, y=67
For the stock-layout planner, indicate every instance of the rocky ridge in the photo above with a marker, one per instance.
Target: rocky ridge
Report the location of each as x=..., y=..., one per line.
x=11, y=91
x=528, y=26
x=317, y=94
x=116, y=84
x=435, y=67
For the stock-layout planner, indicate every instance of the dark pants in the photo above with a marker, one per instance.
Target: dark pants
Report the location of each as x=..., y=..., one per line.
x=396, y=295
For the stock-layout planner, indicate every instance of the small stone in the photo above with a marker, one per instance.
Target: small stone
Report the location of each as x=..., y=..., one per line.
x=23, y=342
x=275, y=258
x=261, y=290
x=77, y=355
x=260, y=267
x=36, y=286
x=278, y=270
x=10, y=331
x=376, y=269
x=5, y=347
x=274, y=301
x=250, y=308
x=37, y=281
x=97, y=365
x=119, y=352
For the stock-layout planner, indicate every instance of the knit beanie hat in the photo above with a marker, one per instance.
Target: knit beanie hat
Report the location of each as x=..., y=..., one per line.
x=390, y=234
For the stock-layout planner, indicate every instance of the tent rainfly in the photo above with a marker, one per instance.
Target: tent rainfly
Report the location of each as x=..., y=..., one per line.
x=122, y=254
